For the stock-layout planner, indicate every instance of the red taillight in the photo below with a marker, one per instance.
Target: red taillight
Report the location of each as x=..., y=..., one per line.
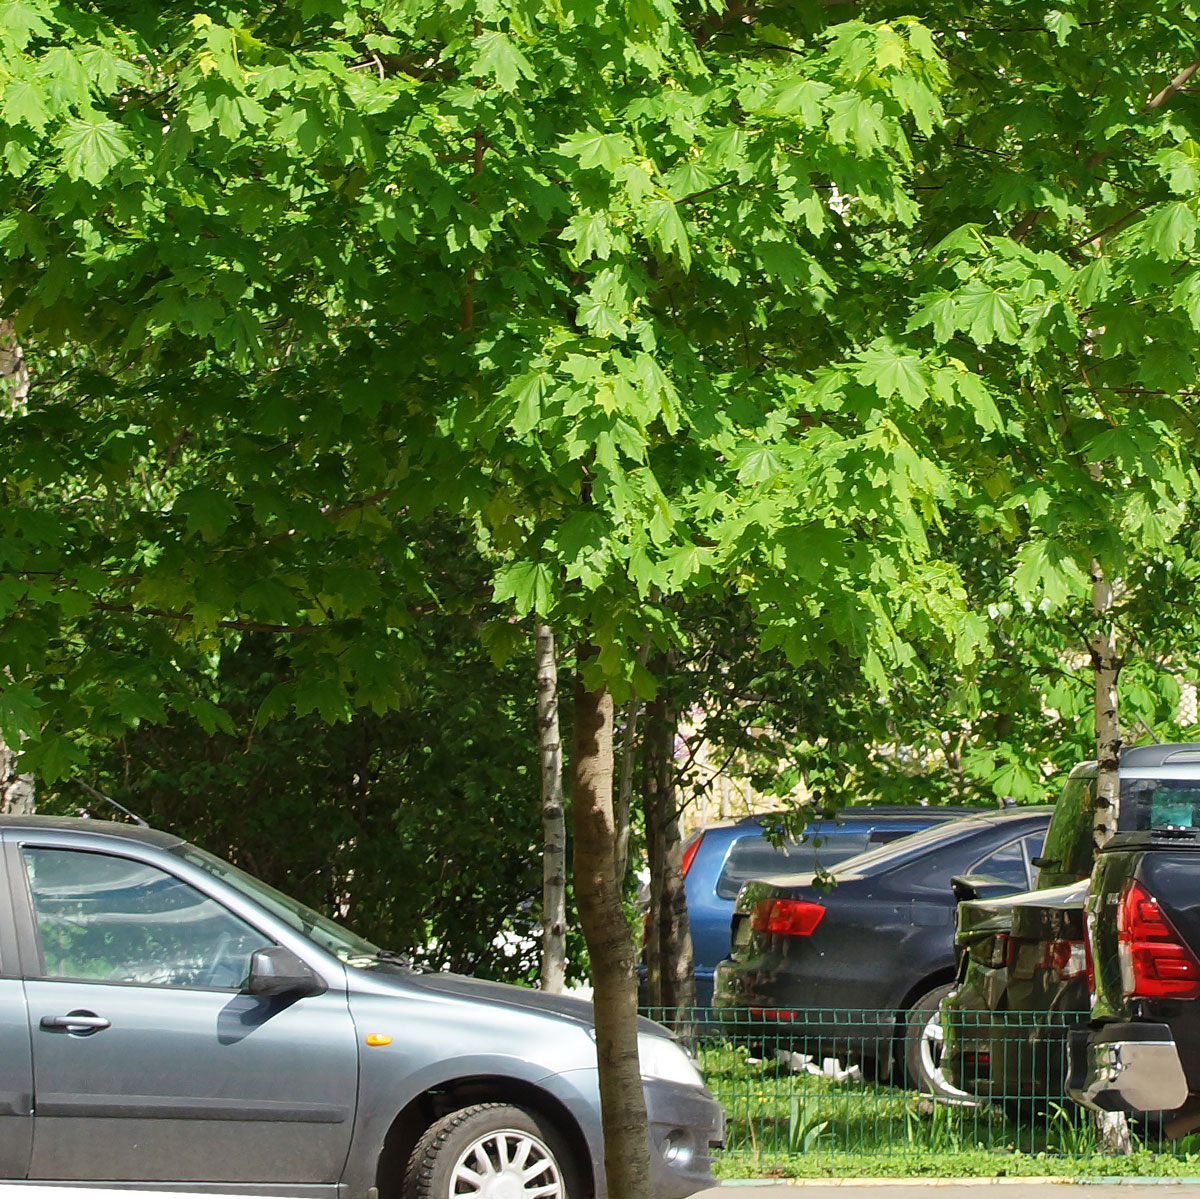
x=689, y=851
x=788, y=917
x=1068, y=958
x=1089, y=963
x=1155, y=962
x=1000, y=950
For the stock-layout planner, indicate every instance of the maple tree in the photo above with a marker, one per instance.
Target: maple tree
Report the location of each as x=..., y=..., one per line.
x=666, y=300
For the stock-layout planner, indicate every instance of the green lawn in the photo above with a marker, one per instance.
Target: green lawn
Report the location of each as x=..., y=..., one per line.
x=788, y=1122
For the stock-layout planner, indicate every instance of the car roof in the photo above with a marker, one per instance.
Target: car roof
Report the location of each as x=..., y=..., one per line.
x=858, y=812
x=1181, y=756
x=111, y=829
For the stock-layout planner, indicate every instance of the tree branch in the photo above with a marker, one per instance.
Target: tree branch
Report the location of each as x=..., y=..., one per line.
x=1175, y=85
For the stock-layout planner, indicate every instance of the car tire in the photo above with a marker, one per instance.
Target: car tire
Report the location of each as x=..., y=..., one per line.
x=923, y=1049
x=488, y=1151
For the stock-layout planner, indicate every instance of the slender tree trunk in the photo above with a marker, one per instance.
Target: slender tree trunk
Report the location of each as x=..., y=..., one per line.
x=16, y=790
x=1105, y=669
x=655, y=992
x=610, y=945
x=554, y=824
x=1112, y=1129
x=628, y=759
x=672, y=946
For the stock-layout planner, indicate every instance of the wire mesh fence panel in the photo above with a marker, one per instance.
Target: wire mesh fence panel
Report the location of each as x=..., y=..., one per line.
x=827, y=1088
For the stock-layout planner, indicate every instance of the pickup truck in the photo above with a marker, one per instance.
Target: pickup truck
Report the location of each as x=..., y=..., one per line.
x=171, y=1024
x=1140, y=1050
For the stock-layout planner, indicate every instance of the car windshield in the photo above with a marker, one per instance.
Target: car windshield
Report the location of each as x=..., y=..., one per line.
x=329, y=935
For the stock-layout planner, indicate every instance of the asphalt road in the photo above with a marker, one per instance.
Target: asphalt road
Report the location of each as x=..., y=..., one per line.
x=983, y=1188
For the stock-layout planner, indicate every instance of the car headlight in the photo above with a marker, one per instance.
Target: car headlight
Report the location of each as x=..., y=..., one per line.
x=667, y=1060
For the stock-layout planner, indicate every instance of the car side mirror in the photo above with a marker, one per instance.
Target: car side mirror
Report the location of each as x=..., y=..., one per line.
x=278, y=971
x=981, y=886
x=1042, y=863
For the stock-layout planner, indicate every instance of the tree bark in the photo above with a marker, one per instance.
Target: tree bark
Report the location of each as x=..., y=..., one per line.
x=16, y=789
x=610, y=946
x=1112, y=1129
x=670, y=942
x=1106, y=668
x=554, y=824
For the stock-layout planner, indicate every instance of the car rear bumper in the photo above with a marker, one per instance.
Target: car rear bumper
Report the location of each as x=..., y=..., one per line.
x=1132, y=1067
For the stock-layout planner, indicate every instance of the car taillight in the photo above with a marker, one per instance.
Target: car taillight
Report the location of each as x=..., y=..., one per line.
x=689, y=851
x=1155, y=961
x=1089, y=961
x=1000, y=949
x=788, y=917
x=1068, y=958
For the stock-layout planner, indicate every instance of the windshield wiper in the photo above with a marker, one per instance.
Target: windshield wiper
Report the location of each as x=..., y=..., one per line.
x=400, y=959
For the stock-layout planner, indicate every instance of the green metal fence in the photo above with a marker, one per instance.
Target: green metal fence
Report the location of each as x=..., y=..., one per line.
x=830, y=1091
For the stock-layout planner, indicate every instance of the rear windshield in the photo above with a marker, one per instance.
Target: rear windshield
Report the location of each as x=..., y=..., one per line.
x=1149, y=804
x=756, y=857
x=881, y=859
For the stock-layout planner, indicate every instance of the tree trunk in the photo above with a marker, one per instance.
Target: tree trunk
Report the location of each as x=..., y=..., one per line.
x=671, y=940
x=1105, y=669
x=1112, y=1129
x=610, y=946
x=554, y=824
x=628, y=759
x=16, y=790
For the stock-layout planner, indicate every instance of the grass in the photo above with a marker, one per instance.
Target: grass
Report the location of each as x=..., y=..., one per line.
x=789, y=1117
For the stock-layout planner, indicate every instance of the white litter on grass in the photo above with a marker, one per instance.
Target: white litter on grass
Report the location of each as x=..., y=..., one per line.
x=830, y=1067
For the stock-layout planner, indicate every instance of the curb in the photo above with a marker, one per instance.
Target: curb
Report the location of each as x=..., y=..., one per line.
x=1032, y=1180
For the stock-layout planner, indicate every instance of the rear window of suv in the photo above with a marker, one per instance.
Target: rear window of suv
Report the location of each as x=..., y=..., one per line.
x=1151, y=804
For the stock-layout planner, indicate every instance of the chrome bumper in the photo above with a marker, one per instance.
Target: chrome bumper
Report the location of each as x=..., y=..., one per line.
x=1127, y=1068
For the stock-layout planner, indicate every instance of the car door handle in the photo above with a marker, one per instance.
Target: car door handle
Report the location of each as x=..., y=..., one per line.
x=77, y=1022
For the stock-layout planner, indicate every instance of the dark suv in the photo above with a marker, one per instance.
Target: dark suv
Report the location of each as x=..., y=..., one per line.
x=1141, y=1049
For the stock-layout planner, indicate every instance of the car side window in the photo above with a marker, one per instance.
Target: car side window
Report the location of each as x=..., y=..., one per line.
x=1007, y=863
x=111, y=919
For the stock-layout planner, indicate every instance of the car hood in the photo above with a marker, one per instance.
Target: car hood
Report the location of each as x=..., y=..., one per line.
x=1030, y=913
x=477, y=990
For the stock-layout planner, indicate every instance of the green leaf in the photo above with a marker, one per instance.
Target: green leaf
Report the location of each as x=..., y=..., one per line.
x=591, y=234
x=986, y=315
x=18, y=714
x=1047, y=570
x=25, y=103
x=605, y=150
x=1061, y=24
x=600, y=317
x=529, y=392
x=500, y=59
x=208, y=512
x=802, y=96
x=891, y=372
x=665, y=228
x=91, y=148
x=528, y=584
x=1171, y=229
x=759, y=465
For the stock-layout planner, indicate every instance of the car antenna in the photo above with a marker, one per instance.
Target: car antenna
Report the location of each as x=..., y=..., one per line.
x=109, y=800
x=1142, y=722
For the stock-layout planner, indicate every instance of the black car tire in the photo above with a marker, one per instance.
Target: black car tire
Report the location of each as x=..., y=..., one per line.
x=487, y=1150
x=923, y=1048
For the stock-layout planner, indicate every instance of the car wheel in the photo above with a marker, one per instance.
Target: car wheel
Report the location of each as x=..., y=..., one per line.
x=490, y=1151
x=923, y=1049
